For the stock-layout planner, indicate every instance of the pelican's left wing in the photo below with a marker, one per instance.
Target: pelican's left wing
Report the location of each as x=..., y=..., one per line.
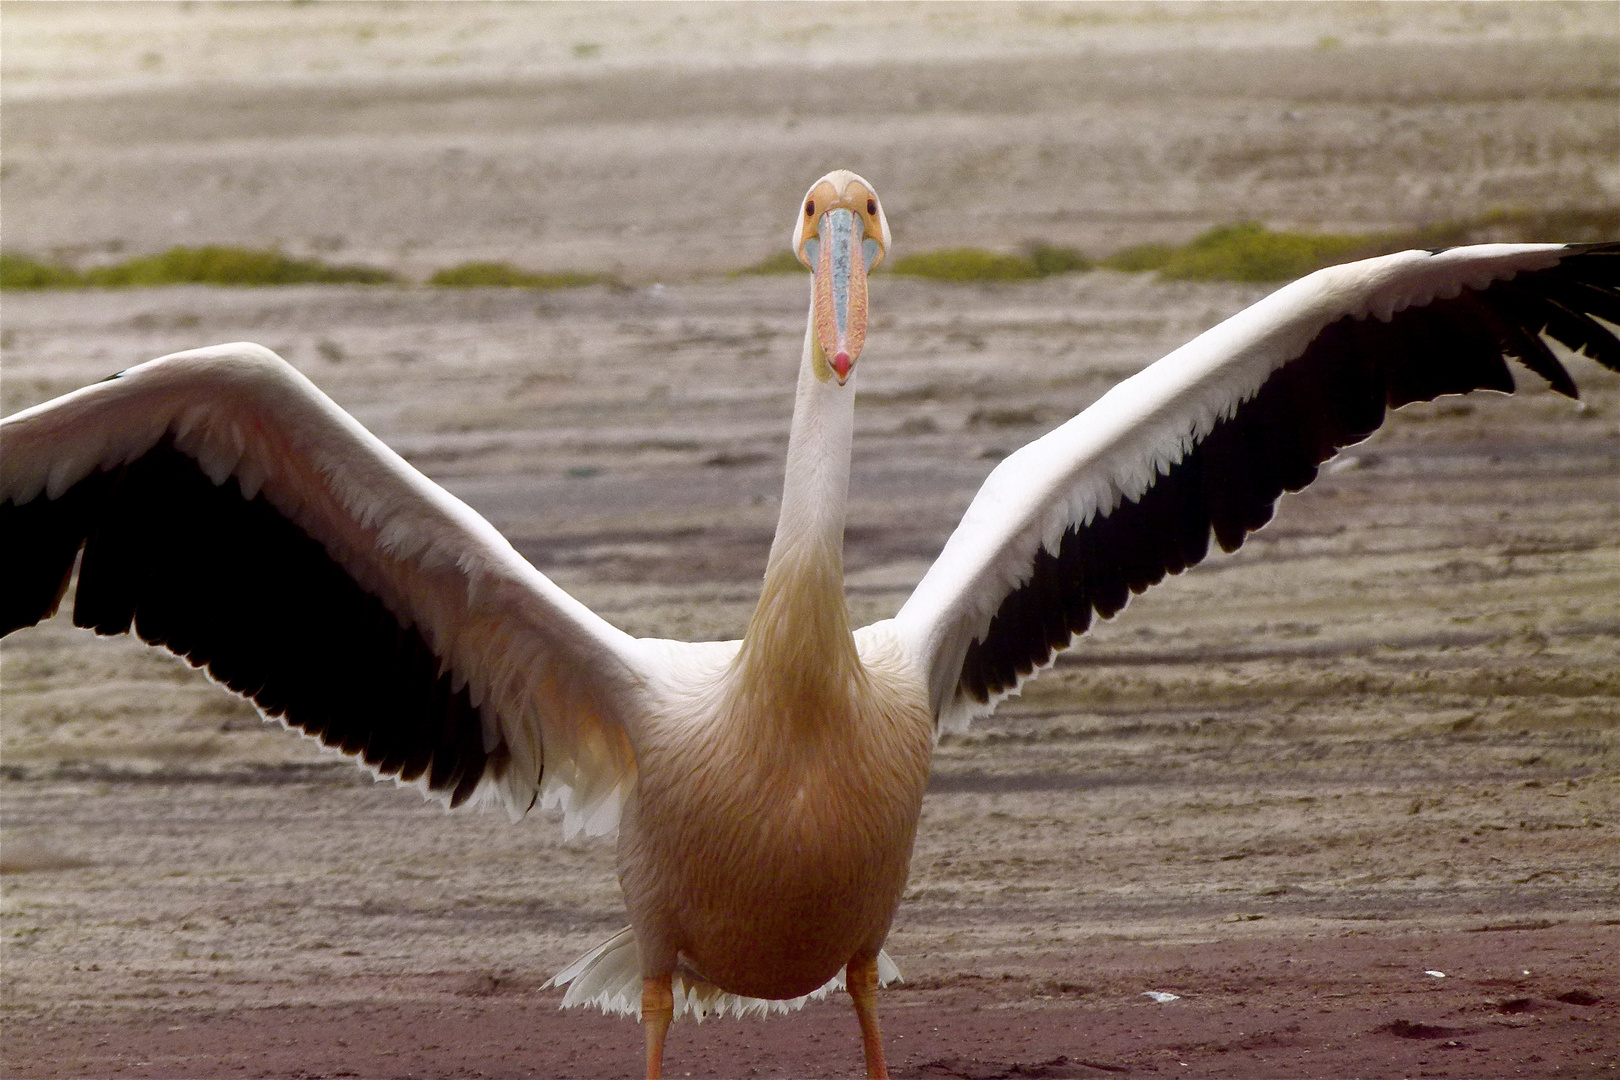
x=1206, y=439
x=234, y=514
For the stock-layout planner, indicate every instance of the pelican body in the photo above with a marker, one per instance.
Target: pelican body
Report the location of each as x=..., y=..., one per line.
x=766, y=791
x=820, y=787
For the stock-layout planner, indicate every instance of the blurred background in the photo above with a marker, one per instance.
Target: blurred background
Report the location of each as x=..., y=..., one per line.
x=1387, y=723
x=663, y=140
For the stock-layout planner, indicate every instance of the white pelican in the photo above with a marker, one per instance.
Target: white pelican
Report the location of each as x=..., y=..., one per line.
x=765, y=791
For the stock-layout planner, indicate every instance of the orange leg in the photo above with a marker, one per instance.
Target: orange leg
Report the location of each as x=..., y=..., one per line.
x=657, y=1010
x=861, y=978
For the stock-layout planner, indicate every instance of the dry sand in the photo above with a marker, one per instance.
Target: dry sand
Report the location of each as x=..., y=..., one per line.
x=1380, y=741
x=588, y=137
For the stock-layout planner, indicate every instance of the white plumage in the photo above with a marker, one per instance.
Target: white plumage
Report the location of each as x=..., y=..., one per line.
x=1118, y=447
x=766, y=791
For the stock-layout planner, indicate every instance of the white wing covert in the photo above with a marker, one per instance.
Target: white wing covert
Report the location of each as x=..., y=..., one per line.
x=1205, y=441
x=232, y=513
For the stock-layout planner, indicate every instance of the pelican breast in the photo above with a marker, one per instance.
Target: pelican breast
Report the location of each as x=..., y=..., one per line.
x=782, y=820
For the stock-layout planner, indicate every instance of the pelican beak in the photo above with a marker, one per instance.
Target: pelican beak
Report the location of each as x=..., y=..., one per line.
x=840, y=290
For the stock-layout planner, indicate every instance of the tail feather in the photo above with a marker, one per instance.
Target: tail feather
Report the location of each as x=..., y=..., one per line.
x=609, y=978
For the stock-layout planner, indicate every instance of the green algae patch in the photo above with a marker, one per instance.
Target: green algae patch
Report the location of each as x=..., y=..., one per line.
x=1049, y=259
x=499, y=275
x=783, y=262
x=1246, y=251
x=1520, y=227
x=22, y=272
x=213, y=264
x=965, y=264
x=223, y=265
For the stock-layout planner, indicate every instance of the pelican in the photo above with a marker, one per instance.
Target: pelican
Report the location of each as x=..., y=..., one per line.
x=765, y=792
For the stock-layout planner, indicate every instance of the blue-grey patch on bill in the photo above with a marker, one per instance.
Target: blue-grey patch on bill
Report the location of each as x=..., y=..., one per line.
x=838, y=228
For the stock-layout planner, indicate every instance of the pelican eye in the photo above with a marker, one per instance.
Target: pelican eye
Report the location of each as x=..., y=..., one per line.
x=810, y=208
x=871, y=206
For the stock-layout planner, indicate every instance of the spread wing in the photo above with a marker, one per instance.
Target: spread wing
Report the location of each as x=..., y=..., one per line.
x=1204, y=441
x=232, y=513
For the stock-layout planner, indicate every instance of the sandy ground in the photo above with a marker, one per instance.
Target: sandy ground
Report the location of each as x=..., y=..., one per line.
x=580, y=137
x=1379, y=742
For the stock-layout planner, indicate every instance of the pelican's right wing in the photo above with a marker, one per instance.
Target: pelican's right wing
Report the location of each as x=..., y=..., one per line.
x=1204, y=441
x=234, y=514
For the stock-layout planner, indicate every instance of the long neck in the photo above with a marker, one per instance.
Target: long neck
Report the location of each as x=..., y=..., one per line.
x=799, y=643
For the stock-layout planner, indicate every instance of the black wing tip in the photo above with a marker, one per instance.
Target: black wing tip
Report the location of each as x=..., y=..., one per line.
x=464, y=789
x=232, y=586
x=1334, y=395
x=43, y=538
x=1587, y=247
x=1597, y=247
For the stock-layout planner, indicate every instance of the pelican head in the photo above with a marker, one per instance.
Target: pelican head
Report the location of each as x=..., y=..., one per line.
x=841, y=234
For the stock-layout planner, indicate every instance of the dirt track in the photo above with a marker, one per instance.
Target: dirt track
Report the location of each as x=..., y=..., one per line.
x=1381, y=740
